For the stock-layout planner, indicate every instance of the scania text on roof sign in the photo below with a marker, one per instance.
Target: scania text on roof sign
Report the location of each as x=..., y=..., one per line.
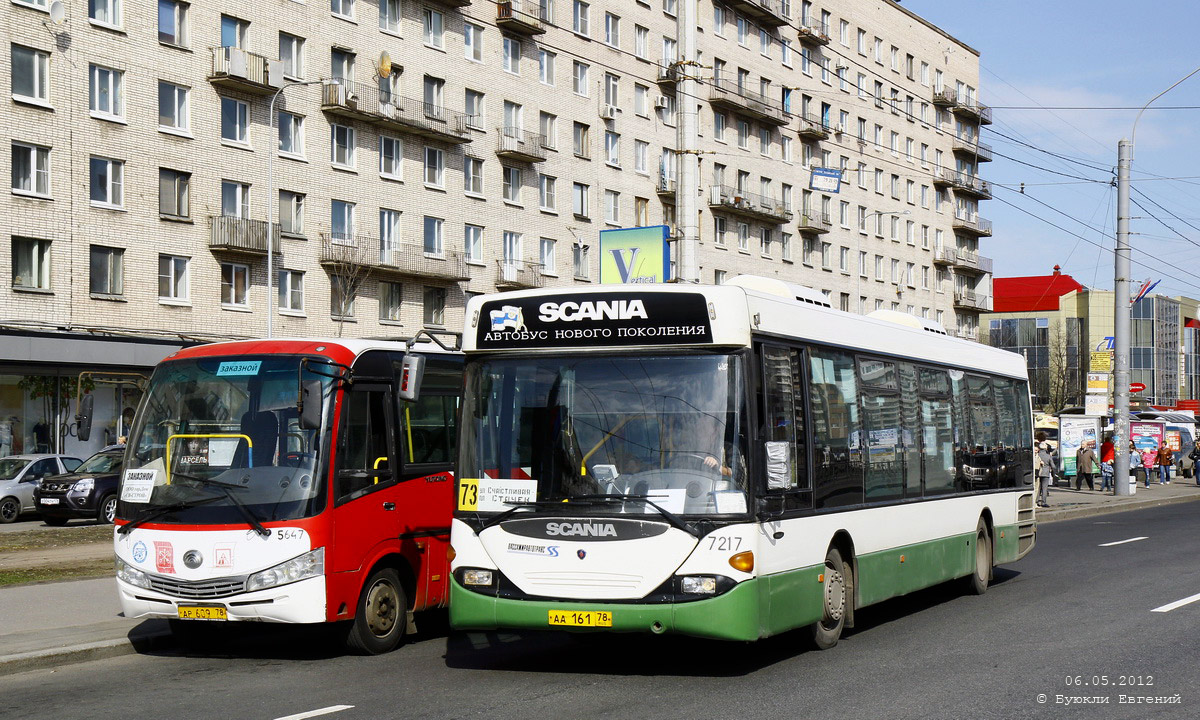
x=594, y=319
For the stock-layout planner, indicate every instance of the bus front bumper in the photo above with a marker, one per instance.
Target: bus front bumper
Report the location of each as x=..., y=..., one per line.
x=731, y=616
x=298, y=602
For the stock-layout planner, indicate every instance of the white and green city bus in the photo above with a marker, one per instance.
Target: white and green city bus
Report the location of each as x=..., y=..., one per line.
x=728, y=462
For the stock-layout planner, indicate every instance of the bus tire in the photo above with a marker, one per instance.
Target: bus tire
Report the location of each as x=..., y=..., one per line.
x=836, y=597
x=381, y=622
x=977, y=581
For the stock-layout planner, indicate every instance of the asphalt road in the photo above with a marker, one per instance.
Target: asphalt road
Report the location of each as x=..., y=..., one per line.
x=1072, y=616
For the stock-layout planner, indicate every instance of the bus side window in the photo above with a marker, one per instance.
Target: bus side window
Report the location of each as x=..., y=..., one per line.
x=783, y=415
x=365, y=458
x=837, y=448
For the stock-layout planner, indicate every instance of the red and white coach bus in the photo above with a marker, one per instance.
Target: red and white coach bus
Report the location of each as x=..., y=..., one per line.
x=292, y=481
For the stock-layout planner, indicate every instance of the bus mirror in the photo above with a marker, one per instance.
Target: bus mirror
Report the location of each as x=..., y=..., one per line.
x=411, y=369
x=84, y=418
x=779, y=471
x=310, y=405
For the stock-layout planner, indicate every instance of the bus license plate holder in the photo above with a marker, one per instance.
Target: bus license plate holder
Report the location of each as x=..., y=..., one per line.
x=202, y=612
x=581, y=618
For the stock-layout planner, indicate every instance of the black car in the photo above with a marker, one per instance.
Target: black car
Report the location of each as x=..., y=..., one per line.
x=89, y=492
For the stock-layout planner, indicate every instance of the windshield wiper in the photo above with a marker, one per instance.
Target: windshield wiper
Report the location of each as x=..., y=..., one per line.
x=227, y=490
x=670, y=517
x=150, y=513
x=495, y=519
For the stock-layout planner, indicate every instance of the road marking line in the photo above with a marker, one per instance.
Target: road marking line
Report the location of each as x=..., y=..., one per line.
x=1177, y=604
x=315, y=713
x=1122, y=542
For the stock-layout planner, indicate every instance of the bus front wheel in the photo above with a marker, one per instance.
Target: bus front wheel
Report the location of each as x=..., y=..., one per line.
x=977, y=582
x=382, y=618
x=835, y=589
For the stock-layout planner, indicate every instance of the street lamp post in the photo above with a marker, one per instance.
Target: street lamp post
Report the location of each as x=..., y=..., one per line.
x=1122, y=326
x=271, y=201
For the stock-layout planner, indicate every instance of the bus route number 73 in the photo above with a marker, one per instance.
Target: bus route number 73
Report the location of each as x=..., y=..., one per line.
x=468, y=494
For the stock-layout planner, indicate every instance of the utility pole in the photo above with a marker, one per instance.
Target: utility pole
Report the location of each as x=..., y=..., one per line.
x=687, y=158
x=1122, y=328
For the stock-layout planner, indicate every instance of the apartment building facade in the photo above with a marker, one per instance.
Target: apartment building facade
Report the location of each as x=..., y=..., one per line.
x=424, y=150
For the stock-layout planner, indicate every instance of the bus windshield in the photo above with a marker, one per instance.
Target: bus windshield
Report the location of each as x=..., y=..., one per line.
x=223, y=439
x=668, y=428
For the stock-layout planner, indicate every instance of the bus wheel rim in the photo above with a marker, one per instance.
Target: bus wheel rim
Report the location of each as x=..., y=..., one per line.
x=835, y=596
x=381, y=609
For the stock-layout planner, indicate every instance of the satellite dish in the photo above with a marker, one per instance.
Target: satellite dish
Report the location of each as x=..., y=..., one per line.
x=385, y=64
x=58, y=12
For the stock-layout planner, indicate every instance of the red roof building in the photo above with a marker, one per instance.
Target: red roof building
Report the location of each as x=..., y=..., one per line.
x=1033, y=293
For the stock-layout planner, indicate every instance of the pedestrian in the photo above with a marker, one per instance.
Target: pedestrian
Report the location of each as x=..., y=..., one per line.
x=1195, y=456
x=1041, y=468
x=1085, y=466
x=1108, y=453
x=1165, y=459
x=1149, y=460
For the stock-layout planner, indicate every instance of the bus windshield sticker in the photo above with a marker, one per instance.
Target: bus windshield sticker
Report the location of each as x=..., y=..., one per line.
x=732, y=502
x=239, y=367
x=671, y=500
x=221, y=450
x=494, y=495
x=137, y=485
x=588, y=319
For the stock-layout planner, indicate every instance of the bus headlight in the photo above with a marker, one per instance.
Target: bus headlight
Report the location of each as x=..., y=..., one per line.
x=477, y=577
x=698, y=584
x=131, y=575
x=310, y=564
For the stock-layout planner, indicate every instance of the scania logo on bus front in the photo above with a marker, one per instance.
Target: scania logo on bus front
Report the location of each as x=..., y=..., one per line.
x=584, y=529
x=587, y=310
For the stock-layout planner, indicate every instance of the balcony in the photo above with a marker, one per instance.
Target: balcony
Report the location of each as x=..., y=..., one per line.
x=973, y=225
x=968, y=108
x=451, y=3
x=668, y=76
x=518, y=275
x=748, y=205
x=235, y=69
x=726, y=93
x=815, y=222
x=812, y=128
x=945, y=256
x=239, y=235
x=972, y=261
x=970, y=300
x=813, y=31
x=521, y=146
x=520, y=22
x=367, y=103
x=666, y=187
x=971, y=334
x=970, y=185
x=771, y=13
x=982, y=152
x=401, y=259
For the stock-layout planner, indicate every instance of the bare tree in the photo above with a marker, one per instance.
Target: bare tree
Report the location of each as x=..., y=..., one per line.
x=349, y=265
x=1064, y=373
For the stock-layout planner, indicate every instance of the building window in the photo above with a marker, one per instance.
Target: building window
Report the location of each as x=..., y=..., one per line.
x=341, y=296
x=785, y=246
x=548, y=128
x=433, y=24
x=641, y=42
x=233, y=32
x=511, y=249
x=612, y=207
x=291, y=291
x=390, y=158
x=172, y=106
x=291, y=54
x=105, y=12
x=743, y=236
x=341, y=65
x=341, y=220
x=107, y=93
x=30, y=263
x=473, y=108
x=435, y=306
x=106, y=182
x=579, y=79
x=433, y=244
x=579, y=200
x=580, y=138
x=343, y=8
x=235, y=199
x=106, y=270
x=391, y=300
x=546, y=186
x=30, y=170
x=511, y=60
x=434, y=90
x=342, y=140
x=512, y=184
x=580, y=21
x=235, y=284
x=172, y=23
x=579, y=261
x=546, y=255
x=472, y=175
x=719, y=229
x=291, y=213
x=173, y=191
x=612, y=30
x=235, y=120
x=435, y=167
x=546, y=67
x=30, y=74
x=473, y=243
x=389, y=235
x=172, y=278
x=612, y=148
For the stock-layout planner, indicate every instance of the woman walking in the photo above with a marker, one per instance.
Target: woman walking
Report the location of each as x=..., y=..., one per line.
x=1165, y=459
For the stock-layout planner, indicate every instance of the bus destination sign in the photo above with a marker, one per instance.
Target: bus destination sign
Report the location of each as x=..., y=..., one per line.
x=594, y=319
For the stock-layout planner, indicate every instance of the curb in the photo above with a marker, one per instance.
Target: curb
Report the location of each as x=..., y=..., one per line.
x=1109, y=508
x=98, y=650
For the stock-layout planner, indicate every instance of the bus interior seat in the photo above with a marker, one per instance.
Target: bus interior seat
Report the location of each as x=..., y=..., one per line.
x=263, y=430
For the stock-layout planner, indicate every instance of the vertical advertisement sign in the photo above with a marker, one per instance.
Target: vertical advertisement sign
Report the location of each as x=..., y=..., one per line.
x=635, y=255
x=1073, y=432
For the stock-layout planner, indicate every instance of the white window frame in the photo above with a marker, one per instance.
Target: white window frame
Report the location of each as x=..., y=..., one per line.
x=236, y=271
x=179, y=16
x=548, y=256
x=395, y=157
x=115, y=12
x=178, y=269
x=438, y=168
x=511, y=56
x=612, y=207
x=433, y=238
x=241, y=124
x=473, y=42
x=547, y=187
x=40, y=81
x=106, y=93
x=291, y=292
x=38, y=177
x=343, y=214
x=343, y=141
x=473, y=243
x=114, y=194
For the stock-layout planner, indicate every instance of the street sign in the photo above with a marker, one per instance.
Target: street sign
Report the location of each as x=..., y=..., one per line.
x=825, y=179
x=1136, y=387
x=1097, y=383
x=1095, y=405
x=1101, y=362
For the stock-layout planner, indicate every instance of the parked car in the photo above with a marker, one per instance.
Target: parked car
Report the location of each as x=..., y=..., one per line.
x=88, y=492
x=18, y=476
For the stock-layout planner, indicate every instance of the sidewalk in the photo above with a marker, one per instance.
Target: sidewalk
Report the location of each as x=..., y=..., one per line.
x=45, y=625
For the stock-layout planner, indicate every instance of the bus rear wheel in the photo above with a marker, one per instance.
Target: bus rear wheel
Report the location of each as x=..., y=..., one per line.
x=382, y=618
x=836, y=593
x=977, y=582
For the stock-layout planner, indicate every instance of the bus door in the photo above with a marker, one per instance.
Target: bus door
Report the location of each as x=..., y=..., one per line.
x=427, y=439
x=366, y=503
x=783, y=432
